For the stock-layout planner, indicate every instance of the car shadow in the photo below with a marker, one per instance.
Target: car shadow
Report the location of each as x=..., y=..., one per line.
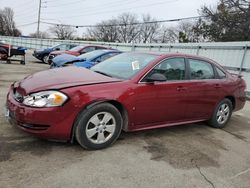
x=183, y=147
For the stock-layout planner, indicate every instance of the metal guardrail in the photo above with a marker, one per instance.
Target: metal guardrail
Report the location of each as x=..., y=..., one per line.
x=235, y=56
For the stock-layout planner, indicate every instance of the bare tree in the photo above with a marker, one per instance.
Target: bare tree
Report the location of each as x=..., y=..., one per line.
x=62, y=31
x=167, y=35
x=105, y=31
x=127, y=29
x=148, y=30
x=42, y=35
x=7, y=24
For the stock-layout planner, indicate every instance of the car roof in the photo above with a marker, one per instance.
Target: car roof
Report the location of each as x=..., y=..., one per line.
x=108, y=50
x=173, y=54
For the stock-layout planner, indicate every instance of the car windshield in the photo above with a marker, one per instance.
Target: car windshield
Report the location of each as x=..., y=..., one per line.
x=77, y=48
x=125, y=65
x=91, y=55
x=56, y=46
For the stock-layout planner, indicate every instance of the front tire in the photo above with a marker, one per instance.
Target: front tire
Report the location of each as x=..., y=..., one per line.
x=221, y=114
x=99, y=126
x=45, y=58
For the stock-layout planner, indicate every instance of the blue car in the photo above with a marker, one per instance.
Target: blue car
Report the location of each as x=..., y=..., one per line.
x=42, y=54
x=86, y=60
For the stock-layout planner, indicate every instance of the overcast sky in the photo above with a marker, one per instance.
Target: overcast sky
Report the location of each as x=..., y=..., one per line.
x=86, y=12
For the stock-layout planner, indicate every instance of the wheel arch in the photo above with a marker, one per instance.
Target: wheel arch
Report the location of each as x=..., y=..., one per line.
x=232, y=99
x=117, y=104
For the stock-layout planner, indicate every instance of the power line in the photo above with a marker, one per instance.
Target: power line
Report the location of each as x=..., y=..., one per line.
x=23, y=4
x=106, y=5
x=27, y=24
x=119, y=10
x=24, y=16
x=66, y=4
x=136, y=23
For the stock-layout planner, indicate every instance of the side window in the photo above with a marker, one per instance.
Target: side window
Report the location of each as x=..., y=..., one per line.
x=221, y=74
x=200, y=70
x=104, y=57
x=88, y=49
x=172, y=69
x=100, y=47
x=69, y=46
x=72, y=46
x=62, y=47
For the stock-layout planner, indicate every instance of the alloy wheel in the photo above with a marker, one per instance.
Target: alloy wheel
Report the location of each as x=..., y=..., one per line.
x=223, y=113
x=100, y=127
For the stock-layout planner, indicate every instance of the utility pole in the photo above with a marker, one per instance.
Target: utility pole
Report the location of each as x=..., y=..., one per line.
x=39, y=17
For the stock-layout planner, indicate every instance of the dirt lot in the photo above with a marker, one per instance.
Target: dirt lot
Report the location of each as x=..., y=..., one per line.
x=183, y=156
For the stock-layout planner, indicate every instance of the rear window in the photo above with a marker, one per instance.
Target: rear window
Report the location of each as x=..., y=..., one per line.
x=221, y=74
x=77, y=48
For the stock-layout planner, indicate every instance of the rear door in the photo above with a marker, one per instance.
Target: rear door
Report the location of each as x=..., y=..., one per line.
x=204, y=90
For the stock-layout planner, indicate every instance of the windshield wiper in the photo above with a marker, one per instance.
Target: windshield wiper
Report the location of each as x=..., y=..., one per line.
x=103, y=73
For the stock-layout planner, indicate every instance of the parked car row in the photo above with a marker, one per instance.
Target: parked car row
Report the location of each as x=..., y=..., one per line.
x=122, y=91
x=46, y=55
x=43, y=54
x=86, y=60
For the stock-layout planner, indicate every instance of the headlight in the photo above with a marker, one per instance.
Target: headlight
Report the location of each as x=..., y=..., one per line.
x=45, y=99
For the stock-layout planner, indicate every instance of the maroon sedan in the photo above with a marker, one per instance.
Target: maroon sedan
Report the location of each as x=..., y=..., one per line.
x=76, y=51
x=130, y=92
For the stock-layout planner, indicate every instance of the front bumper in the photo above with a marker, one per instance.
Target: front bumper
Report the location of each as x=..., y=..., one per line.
x=37, y=55
x=49, y=123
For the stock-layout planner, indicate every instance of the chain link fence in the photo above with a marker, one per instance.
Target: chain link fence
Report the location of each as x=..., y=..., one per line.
x=234, y=56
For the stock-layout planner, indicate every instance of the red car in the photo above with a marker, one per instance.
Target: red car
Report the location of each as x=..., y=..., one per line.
x=130, y=92
x=76, y=51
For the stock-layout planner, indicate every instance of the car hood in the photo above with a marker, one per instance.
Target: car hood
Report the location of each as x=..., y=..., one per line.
x=61, y=78
x=64, y=58
x=44, y=50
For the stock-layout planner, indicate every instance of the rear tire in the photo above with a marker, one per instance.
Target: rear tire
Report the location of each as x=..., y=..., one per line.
x=99, y=126
x=221, y=114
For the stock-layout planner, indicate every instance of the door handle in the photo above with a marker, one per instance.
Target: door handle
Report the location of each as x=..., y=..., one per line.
x=217, y=86
x=181, y=88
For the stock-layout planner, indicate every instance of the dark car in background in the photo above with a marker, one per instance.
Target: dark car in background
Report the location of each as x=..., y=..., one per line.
x=42, y=54
x=86, y=60
x=76, y=51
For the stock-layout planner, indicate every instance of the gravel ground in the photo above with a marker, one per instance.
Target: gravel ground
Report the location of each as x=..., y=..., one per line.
x=184, y=156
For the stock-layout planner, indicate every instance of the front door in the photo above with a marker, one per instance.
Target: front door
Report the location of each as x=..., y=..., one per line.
x=162, y=102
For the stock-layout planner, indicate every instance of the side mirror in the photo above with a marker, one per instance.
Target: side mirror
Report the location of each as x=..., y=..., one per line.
x=157, y=77
x=57, y=49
